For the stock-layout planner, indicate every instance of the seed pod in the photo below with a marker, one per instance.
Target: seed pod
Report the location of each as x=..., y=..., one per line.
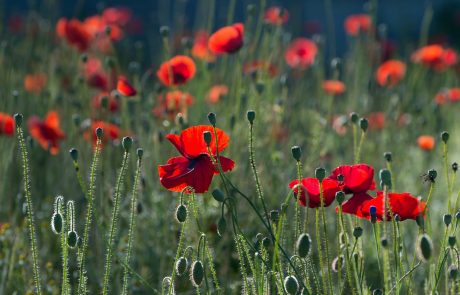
x=181, y=213
x=296, y=152
x=337, y=263
x=74, y=154
x=197, y=273
x=453, y=271
x=56, y=223
x=140, y=153
x=340, y=197
x=212, y=119
x=447, y=219
x=127, y=142
x=354, y=117
x=388, y=156
x=445, y=136
x=424, y=247
x=251, y=115
x=99, y=132
x=420, y=220
x=221, y=226
x=363, y=124
x=320, y=173
x=377, y=292
x=303, y=245
x=452, y=240
x=218, y=195
x=207, y=136
x=79, y=242
x=72, y=238
x=454, y=166
x=432, y=174
x=357, y=232
x=384, y=242
x=18, y=118
x=181, y=265
x=385, y=177
x=291, y=285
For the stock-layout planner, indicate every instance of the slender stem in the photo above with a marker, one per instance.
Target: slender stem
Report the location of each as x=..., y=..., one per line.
x=30, y=210
x=325, y=237
x=113, y=225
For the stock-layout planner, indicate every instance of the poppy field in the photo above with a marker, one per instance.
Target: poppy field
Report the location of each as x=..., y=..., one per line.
x=235, y=156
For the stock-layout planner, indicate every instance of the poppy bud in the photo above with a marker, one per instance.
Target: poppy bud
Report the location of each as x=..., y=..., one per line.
x=266, y=242
x=377, y=292
x=447, y=219
x=354, y=117
x=452, y=240
x=260, y=87
x=72, y=238
x=218, y=195
x=274, y=216
x=420, y=220
x=432, y=174
x=207, y=136
x=84, y=57
x=385, y=177
x=445, y=136
x=140, y=153
x=181, y=213
x=56, y=223
x=340, y=197
x=424, y=247
x=291, y=285
x=363, y=124
x=109, y=62
x=454, y=167
x=453, y=271
x=259, y=236
x=164, y=31
x=127, y=142
x=251, y=116
x=197, y=273
x=320, y=173
x=303, y=245
x=337, y=263
x=388, y=156
x=74, y=154
x=181, y=265
x=296, y=152
x=357, y=232
x=99, y=132
x=212, y=119
x=221, y=226
x=372, y=210
x=18, y=119
x=79, y=242
x=384, y=242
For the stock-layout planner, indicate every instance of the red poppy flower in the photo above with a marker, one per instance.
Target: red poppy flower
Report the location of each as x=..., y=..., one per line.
x=124, y=87
x=97, y=77
x=74, y=32
x=215, y=93
x=173, y=103
x=334, y=87
x=376, y=120
x=112, y=103
x=448, y=95
x=301, y=53
x=276, y=15
x=357, y=178
x=390, y=73
x=97, y=27
x=47, y=132
x=426, y=142
x=435, y=56
x=200, y=47
x=260, y=65
x=117, y=15
x=358, y=23
x=34, y=83
x=176, y=71
x=227, y=39
x=353, y=205
x=310, y=185
x=111, y=132
x=6, y=124
x=194, y=167
x=402, y=204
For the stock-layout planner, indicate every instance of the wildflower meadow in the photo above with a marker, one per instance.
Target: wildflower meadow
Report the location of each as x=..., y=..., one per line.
x=247, y=152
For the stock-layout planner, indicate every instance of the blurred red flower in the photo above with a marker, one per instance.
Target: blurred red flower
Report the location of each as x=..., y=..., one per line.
x=333, y=87
x=111, y=103
x=448, y=95
x=301, y=53
x=74, y=32
x=200, y=47
x=117, y=16
x=260, y=65
x=176, y=71
x=124, y=87
x=216, y=92
x=435, y=56
x=173, y=103
x=111, y=132
x=276, y=15
x=7, y=124
x=358, y=23
x=376, y=120
x=194, y=167
x=34, y=83
x=426, y=142
x=47, y=132
x=390, y=73
x=310, y=186
x=357, y=178
x=227, y=39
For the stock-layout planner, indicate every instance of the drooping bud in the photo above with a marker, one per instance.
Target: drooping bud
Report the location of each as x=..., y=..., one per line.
x=303, y=245
x=181, y=265
x=218, y=195
x=291, y=285
x=424, y=247
x=56, y=223
x=337, y=263
x=197, y=273
x=221, y=226
x=72, y=238
x=181, y=213
x=453, y=272
x=377, y=292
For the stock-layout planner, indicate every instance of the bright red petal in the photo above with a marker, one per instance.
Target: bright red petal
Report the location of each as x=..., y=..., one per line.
x=193, y=144
x=355, y=204
x=125, y=88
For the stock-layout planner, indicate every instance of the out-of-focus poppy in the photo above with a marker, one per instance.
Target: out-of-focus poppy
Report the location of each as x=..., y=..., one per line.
x=228, y=39
x=105, y=100
x=15, y=24
x=34, y=83
x=194, y=167
x=358, y=23
x=176, y=71
x=339, y=124
x=47, y=132
x=124, y=87
x=7, y=124
x=74, y=32
x=200, y=47
x=216, y=92
x=301, y=53
x=117, y=15
x=259, y=65
x=390, y=73
x=96, y=76
x=111, y=132
x=448, y=95
x=376, y=120
x=97, y=27
x=276, y=15
x=357, y=178
x=310, y=186
x=172, y=103
x=333, y=87
x=435, y=56
x=426, y=142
